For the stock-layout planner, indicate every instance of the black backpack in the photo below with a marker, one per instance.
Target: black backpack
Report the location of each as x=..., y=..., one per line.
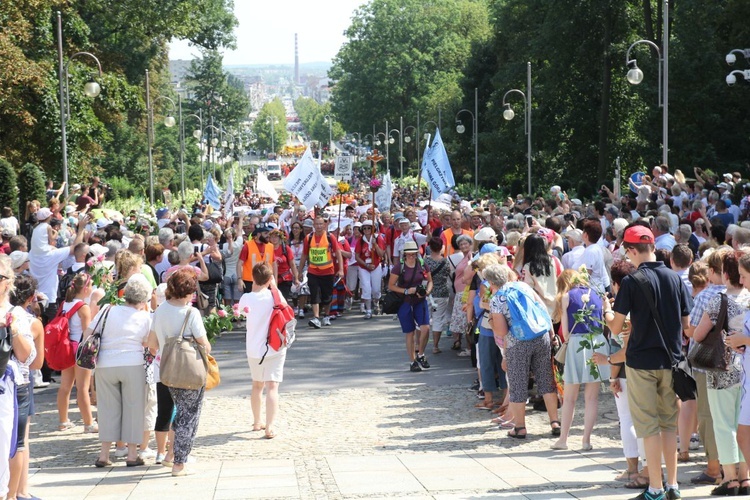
x=65, y=281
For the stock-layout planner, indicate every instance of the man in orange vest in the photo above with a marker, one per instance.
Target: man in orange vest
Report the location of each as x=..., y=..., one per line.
x=319, y=251
x=257, y=249
x=454, y=229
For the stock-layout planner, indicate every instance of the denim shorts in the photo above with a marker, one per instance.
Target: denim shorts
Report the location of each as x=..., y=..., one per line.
x=412, y=316
x=23, y=396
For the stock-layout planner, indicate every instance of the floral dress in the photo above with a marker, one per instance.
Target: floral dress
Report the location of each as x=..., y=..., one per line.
x=736, y=307
x=577, y=370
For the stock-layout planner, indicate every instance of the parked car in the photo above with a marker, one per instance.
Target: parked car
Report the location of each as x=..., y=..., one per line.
x=273, y=170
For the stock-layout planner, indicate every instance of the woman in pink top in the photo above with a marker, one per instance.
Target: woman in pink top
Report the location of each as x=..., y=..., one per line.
x=459, y=321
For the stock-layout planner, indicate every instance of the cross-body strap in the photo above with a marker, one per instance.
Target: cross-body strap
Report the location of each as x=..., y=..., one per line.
x=640, y=279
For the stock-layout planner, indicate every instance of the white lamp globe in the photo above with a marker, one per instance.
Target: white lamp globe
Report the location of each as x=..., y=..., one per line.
x=460, y=128
x=91, y=89
x=508, y=114
x=635, y=75
x=169, y=121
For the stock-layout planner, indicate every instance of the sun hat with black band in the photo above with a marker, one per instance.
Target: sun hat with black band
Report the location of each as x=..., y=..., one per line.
x=410, y=247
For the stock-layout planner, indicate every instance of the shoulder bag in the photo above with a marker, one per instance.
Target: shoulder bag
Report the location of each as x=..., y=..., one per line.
x=183, y=364
x=6, y=344
x=88, y=350
x=682, y=382
x=393, y=300
x=712, y=354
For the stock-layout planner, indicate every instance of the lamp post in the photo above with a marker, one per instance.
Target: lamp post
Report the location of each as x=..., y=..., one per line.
x=169, y=121
x=212, y=142
x=731, y=58
x=272, y=122
x=635, y=76
x=391, y=140
x=475, y=137
x=508, y=114
x=329, y=121
x=90, y=89
x=197, y=133
x=407, y=139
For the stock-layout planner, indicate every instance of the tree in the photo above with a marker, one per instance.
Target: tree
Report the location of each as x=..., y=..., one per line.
x=271, y=112
x=402, y=56
x=31, y=184
x=8, y=195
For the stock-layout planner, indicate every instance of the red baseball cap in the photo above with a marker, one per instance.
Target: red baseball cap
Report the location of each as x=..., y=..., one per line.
x=638, y=234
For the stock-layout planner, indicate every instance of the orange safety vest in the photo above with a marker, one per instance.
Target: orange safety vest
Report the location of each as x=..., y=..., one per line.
x=319, y=254
x=255, y=257
x=449, y=236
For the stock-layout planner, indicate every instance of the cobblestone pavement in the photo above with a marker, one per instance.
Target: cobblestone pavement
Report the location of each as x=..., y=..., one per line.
x=391, y=421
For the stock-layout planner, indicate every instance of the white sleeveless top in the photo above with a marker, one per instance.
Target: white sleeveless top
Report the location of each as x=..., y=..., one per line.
x=74, y=324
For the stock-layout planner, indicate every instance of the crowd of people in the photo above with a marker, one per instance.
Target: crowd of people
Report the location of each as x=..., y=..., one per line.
x=541, y=296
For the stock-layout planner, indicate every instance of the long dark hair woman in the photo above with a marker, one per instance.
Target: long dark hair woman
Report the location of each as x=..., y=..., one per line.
x=539, y=270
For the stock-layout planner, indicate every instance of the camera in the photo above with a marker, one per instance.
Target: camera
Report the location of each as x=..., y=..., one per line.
x=420, y=291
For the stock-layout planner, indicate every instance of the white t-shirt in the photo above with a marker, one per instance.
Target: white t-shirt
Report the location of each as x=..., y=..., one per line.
x=261, y=306
x=44, y=260
x=572, y=259
x=593, y=258
x=123, y=337
x=162, y=266
x=10, y=223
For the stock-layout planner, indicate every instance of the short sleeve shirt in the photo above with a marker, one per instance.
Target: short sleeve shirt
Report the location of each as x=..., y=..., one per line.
x=440, y=277
x=646, y=350
x=736, y=307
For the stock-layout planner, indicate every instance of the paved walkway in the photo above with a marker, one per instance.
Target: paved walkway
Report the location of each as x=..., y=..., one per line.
x=404, y=436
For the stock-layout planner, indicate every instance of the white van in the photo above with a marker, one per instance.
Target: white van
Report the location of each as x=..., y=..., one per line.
x=273, y=170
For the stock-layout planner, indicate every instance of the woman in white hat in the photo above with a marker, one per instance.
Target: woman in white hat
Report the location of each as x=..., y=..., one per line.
x=369, y=253
x=412, y=279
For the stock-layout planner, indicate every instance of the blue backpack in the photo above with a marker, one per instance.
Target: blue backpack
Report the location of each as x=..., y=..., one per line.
x=528, y=319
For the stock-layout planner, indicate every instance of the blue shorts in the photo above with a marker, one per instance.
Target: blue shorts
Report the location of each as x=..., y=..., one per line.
x=412, y=316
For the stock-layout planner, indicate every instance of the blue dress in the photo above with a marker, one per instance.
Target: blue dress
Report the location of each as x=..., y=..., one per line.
x=576, y=370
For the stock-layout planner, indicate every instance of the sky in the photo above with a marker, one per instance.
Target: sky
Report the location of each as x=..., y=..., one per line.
x=265, y=34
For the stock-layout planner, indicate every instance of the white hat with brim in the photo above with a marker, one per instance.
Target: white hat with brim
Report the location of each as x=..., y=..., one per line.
x=18, y=258
x=410, y=247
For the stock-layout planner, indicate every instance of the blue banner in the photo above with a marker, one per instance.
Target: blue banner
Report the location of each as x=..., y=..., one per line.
x=436, y=168
x=212, y=194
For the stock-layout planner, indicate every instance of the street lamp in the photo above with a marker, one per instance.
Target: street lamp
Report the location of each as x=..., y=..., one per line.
x=209, y=144
x=366, y=142
x=169, y=121
x=329, y=121
x=197, y=133
x=635, y=76
x=91, y=89
x=475, y=125
x=509, y=114
x=407, y=139
x=391, y=140
x=272, y=122
x=731, y=59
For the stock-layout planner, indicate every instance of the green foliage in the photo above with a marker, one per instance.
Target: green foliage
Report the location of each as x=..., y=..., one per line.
x=271, y=113
x=221, y=96
x=8, y=196
x=31, y=185
x=313, y=118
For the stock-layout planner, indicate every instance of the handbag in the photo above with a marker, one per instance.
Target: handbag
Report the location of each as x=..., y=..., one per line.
x=711, y=353
x=201, y=300
x=213, y=377
x=183, y=361
x=682, y=382
x=215, y=273
x=6, y=344
x=88, y=350
x=561, y=352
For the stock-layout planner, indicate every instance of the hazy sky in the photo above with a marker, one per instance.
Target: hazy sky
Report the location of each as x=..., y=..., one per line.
x=265, y=34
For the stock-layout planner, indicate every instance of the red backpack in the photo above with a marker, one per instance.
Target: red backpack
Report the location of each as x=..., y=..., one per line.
x=281, y=329
x=58, y=350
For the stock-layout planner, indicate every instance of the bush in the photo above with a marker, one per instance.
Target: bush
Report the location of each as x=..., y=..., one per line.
x=31, y=185
x=8, y=186
x=122, y=188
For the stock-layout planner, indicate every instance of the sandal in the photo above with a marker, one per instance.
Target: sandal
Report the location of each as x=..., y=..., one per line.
x=683, y=456
x=436, y=350
x=744, y=487
x=627, y=476
x=555, y=430
x=456, y=346
x=270, y=435
x=483, y=406
x=102, y=463
x=515, y=433
x=639, y=483
x=724, y=490
x=258, y=427
x=64, y=426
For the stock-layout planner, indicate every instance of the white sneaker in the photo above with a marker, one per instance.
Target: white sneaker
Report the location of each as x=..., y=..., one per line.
x=121, y=452
x=361, y=307
x=327, y=321
x=147, y=453
x=301, y=314
x=368, y=315
x=159, y=458
x=464, y=353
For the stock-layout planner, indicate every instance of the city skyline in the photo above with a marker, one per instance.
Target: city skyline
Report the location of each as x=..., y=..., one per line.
x=320, y=32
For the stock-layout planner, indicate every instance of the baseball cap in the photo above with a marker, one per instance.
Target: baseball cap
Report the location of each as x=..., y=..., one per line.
x=8, y=233
x=96, y=250
x=368, y=222
x=547, y=234
x=261, y=228
x=18, y=258
x=308, y=223
x=485, y=234
x=70, y=209
x=162, y=212
x=411, y=247
x=723, y=185
x=638, y=234
x=358, y=224
x=613, y=210
x=403, y=220
x=75, y=187
x=43, y=214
